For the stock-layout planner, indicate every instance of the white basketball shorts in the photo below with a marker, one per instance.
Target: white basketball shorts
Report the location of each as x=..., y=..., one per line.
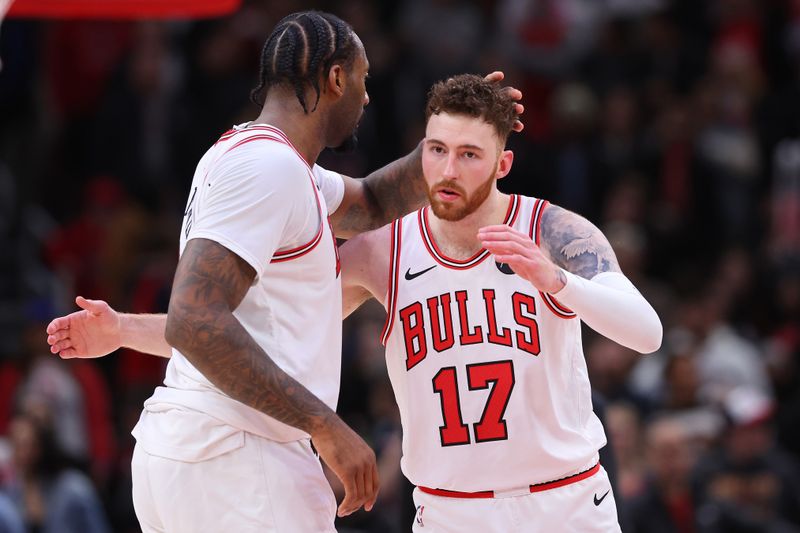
x=248, y=484
x=586, y=506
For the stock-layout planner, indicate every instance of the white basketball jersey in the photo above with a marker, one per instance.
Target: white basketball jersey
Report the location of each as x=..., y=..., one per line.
x=254, y=194
x=488, y=372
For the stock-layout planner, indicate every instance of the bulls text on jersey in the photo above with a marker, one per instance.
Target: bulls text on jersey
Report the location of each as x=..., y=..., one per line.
x=443, y=311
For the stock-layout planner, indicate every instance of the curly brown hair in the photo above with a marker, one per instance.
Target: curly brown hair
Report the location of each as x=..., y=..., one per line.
x=471, y=95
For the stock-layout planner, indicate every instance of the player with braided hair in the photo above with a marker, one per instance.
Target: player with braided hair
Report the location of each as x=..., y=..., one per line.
x=253, y=330
x=302, y=45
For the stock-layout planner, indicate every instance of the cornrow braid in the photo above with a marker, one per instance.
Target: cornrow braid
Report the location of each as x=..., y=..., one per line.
x=300, y=50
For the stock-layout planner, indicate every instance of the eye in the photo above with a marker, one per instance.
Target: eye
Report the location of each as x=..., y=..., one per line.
x=436, y=149
x=470, y=155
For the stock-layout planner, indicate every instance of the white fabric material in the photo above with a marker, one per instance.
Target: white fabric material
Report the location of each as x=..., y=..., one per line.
x=251, y=484
x=256, y=196
x=331, y=185
x=611, y=305
x=567, y=509
x=551, y=429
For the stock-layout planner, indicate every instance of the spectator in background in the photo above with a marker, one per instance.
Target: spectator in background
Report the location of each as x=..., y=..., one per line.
x=96, y=250
x=52, y=496
x=666, y=503
x=76, y=395
x=609, y=365
x=623, y=426
x=750, y=483
x=10, y=520
x=682, y=398
x=724, y=357
x=35, y=382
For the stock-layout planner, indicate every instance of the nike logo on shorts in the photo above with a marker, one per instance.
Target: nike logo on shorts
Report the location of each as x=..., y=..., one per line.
x=598, y=501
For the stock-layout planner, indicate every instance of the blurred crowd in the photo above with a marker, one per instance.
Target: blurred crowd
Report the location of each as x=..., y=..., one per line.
x=674, y=125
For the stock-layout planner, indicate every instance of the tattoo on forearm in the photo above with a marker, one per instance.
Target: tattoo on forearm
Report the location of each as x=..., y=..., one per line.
x=210, y=282
x=389, y=193
x=575, y=244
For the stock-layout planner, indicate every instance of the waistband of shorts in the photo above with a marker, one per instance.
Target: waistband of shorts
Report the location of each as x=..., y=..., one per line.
x=539, y=487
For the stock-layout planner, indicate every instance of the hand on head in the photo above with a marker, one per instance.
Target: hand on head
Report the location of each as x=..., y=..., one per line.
x=497, y=76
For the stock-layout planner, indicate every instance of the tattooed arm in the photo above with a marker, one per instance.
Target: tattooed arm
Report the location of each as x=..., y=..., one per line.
x=209, y=285
x=386, y=194
x=575, y=262
x=575, y=244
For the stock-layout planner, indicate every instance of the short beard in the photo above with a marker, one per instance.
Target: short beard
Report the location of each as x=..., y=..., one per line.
x=348, y=146
x=453, y=213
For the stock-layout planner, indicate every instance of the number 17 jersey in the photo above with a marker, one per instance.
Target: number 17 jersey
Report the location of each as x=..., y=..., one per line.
x=488, y=373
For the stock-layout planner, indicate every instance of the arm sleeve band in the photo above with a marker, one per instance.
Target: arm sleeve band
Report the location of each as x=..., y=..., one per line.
x=611, y=305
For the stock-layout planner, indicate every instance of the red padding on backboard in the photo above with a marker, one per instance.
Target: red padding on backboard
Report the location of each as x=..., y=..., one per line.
x=121, y=9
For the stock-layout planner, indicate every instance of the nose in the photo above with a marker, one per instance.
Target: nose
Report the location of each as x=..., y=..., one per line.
x=450, y=169
x=366, y=98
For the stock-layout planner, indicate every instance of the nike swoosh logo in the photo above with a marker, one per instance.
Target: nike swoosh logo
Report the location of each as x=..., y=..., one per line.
x=504, y=268
x=600, y=500
x=410, y=276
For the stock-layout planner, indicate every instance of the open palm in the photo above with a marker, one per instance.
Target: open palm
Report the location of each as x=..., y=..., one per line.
x=92, y=332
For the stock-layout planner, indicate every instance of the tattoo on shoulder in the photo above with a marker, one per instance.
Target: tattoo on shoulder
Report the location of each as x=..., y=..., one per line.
x=575, y=244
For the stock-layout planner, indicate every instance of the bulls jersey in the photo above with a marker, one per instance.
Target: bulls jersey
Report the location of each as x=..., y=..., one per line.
x=488, y=372
x=254, y=194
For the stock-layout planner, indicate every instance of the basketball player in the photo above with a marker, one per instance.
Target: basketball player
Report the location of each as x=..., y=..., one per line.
x=482, y=345
x=226, y=443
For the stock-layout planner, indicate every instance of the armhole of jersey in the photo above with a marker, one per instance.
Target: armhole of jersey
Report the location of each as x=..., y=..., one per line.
x=275, y=135
x=294, y=253
x=270, y=133
x=556, y=307
x=391, y=291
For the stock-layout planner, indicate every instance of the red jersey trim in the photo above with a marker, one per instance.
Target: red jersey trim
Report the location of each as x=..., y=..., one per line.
x=539, y=487
x=227, y=135
x=441, y=258
x=394, y=269
x=265, y=127
x=554, y=305
x=299, y=251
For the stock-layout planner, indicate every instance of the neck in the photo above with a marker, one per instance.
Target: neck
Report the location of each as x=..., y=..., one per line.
x=304, y=130
x=459, y=239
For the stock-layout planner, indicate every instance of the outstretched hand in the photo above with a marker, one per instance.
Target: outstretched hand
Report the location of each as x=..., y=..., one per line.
x=517, y=250
x=92, y=332
x=497, y=76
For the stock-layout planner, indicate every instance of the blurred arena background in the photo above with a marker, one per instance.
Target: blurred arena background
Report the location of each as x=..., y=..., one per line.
x=674, y=125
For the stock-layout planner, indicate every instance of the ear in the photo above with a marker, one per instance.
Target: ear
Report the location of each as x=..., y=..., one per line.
x=336, y=80
x=504, y=164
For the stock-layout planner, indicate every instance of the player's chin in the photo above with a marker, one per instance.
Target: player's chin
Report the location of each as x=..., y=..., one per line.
x=347, y=146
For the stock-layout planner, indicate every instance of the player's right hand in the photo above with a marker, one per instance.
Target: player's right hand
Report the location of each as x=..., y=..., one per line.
x=353, y=462
x=496, y=77
x=92, y=332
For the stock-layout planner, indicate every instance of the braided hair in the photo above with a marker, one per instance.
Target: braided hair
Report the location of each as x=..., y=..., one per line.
x=301, y=48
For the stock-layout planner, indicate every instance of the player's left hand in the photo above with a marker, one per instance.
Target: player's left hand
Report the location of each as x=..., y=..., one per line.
x=515, y=94
x=518, y=251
